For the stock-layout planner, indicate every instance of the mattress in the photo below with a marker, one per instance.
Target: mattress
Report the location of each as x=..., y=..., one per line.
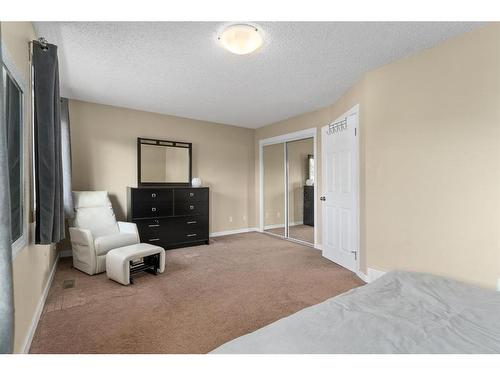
x=401, y=312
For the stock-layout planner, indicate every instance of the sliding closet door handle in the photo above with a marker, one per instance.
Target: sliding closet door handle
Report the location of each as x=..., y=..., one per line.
x=322, y=198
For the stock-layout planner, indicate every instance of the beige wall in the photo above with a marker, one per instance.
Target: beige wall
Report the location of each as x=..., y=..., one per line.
x=33, y=264
x=433, y=160
x=104, y=157
x=430, y=159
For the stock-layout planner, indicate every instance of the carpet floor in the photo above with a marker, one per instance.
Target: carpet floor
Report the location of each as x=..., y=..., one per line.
x=207, y=296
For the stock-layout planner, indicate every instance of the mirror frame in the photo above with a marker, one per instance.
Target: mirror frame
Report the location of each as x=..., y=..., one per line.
x=12, y=69
x=164, y=143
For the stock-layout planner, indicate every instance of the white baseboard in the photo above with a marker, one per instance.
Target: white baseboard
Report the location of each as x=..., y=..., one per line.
x=363, y=276
x=374, y=274
x=234, y=231
x=371, y=275
x=39, y=309
x=65, y=253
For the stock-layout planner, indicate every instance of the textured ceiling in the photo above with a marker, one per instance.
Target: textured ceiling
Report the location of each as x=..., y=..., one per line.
x=178, y=68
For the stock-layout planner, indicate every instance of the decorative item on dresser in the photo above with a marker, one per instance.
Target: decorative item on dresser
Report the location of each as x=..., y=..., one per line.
x=308, y=205
x=170, y=217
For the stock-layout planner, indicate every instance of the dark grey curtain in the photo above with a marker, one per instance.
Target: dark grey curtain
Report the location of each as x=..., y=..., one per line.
x=6, y=297
x=69, y=211
x=47, y=134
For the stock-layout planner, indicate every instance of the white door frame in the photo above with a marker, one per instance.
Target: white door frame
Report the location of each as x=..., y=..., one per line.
x=295, y=136
x=353, y=111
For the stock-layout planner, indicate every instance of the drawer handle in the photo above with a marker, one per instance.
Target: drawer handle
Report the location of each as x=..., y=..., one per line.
x=153, y=225
x=153, y=239
x=153, y=195
x=191, y=222
x=191, y=207
x=191, y=235
x=191, y=194
x=153, y=209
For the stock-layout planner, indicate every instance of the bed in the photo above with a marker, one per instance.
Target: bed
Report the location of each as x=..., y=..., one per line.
x=401, y=312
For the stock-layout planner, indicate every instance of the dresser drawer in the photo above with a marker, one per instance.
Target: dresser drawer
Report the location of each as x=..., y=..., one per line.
x=151, y=228
x=152, y=202
x=191, y=208
x=190, y=195
x=189, y=228
x=191, y=236
x=189, y=223
x=159, y=233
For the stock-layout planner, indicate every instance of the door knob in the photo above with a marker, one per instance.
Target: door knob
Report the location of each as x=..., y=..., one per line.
x=322, y=198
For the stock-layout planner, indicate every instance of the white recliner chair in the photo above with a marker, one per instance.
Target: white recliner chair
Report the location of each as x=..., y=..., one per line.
x=95, y=231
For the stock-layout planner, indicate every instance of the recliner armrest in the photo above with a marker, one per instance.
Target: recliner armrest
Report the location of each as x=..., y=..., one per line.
x=81, y=237
x=126, y=227
x=83, y=249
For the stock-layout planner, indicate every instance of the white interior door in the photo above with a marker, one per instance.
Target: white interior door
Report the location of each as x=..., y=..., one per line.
x=340, y=187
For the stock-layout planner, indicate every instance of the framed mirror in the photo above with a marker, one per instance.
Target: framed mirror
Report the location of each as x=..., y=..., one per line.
x=13, y=88
x=161, y=162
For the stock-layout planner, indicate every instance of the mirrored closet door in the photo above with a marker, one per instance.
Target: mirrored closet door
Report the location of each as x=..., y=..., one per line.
x=288, y=189
x=300, y=186
x=274, y=189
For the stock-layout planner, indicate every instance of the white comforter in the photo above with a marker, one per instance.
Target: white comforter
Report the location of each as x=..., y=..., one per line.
x=401, y=312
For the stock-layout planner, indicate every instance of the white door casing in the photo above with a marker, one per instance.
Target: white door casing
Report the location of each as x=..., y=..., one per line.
x=340, y=199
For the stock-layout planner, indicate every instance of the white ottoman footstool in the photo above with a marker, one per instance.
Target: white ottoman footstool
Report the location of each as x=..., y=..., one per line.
x=120, y=261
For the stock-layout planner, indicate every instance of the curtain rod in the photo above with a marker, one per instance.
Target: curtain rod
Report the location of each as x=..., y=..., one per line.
x=42, y=41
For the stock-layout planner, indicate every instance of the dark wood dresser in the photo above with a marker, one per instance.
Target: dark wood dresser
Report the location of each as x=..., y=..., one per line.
x=170, y=217
x=309, y=205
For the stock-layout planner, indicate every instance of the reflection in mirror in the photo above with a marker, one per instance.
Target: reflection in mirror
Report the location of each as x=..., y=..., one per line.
x=310, y=166
x=301, y=190
x=274, y=188
x=13, y=121
x=164, y=162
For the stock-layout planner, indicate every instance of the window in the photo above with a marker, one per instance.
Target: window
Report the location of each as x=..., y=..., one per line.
x=13, y=111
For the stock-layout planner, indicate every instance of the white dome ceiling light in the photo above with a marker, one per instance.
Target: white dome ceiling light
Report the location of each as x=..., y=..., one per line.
x=241, y=39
